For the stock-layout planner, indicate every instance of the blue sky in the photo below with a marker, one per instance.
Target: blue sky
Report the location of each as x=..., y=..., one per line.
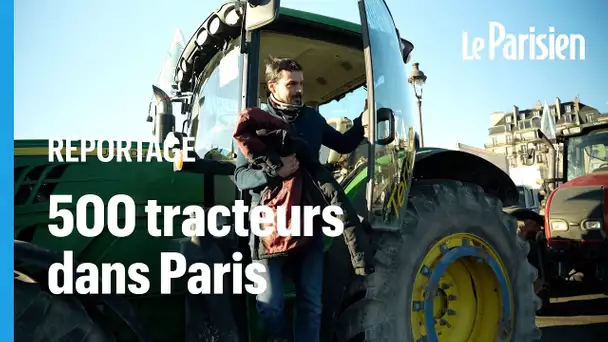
x=85, y=68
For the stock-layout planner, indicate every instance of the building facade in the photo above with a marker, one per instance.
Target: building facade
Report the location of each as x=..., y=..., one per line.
x=515, y=134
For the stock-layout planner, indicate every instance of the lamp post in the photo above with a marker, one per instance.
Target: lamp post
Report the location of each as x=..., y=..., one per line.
x=417, y=78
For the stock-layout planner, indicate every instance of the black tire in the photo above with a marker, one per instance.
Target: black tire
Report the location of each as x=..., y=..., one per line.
x=378, y=306
x=41, y=316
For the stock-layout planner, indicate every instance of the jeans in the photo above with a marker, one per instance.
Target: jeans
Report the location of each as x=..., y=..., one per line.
x=306, y=267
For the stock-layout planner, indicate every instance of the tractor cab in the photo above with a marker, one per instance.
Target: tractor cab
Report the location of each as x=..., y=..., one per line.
x=221, y=71
x=586, y=154
x=576, y=212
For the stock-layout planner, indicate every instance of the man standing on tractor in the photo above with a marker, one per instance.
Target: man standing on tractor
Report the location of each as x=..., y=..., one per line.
x=285, y=78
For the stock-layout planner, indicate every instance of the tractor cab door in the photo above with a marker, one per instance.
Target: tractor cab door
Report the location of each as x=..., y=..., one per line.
x=390, y=118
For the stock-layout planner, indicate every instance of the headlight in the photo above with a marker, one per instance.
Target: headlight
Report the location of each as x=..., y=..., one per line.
x=214, y=25
x=232, y=18
x=592, y=225
x=559, y=225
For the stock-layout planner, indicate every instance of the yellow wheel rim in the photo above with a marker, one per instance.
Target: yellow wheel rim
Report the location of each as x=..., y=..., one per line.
x=461, y=292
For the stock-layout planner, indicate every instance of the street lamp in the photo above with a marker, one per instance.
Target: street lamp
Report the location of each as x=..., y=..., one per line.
x=417, y=79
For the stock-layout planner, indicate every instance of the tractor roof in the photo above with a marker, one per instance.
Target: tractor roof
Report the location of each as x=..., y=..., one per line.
x=195, y=57
x=321, y=19
x=584, y=129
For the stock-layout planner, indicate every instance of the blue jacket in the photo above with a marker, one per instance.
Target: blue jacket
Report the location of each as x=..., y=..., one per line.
x=312, y=127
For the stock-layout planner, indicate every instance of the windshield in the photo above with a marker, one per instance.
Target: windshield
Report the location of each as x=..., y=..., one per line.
x=587, y=153
x=522, y=196
x=216, y=104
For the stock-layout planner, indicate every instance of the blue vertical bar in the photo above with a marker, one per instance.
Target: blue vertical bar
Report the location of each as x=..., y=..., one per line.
x=6, y=179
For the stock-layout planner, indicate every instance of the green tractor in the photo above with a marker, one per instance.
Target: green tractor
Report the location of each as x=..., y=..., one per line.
x=450, y=265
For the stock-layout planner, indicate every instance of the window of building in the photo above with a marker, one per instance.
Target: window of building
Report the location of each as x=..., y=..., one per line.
x=524, y=124
x=522, y=116
x=536, y=122
x=568, y=108
x=509, y=139
x=590, y=117
x=508, y=119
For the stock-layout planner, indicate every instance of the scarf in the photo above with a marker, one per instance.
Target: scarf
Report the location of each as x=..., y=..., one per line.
x=288, y=111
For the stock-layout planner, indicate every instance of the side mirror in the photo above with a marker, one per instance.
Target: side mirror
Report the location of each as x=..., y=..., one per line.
x=406, y=50
x=385, y=119
x=260, y=13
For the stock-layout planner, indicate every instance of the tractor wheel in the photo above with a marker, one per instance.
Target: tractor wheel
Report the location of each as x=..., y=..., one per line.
x=455, y=271
x=41, y=316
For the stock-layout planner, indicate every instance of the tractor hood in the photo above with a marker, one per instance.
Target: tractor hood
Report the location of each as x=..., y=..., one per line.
x=598, y=177
x=576, y=208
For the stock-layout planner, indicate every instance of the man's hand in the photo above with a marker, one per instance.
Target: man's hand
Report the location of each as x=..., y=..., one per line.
x=290, y=165
x=365, y=271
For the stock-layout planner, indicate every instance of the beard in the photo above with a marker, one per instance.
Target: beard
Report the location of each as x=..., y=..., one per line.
x=295, y=99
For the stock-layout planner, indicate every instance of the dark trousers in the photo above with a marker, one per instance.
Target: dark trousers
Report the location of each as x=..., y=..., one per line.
x=306, y=268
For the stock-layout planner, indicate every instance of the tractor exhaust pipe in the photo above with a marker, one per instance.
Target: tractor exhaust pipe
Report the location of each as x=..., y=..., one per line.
x=163, y=112
x=551, y=163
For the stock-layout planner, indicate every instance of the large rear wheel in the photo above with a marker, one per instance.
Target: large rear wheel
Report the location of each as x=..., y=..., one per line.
x=456, y=271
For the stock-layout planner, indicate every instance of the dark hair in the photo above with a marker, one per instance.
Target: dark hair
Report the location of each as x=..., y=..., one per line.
x=275, y=65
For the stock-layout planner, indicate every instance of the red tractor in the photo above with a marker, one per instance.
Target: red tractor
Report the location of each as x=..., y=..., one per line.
x=575, y=238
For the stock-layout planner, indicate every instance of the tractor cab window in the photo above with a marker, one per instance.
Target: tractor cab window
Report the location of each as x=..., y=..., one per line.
x=340, y=114
x=334, y=77
x=216, y=105
x=587, y=153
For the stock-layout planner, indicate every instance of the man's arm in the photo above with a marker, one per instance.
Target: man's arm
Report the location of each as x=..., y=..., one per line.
x=247, y=177
x=343, y=143
x=252, y=147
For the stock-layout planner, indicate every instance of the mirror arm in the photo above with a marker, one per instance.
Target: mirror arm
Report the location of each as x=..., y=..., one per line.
x=244, y=44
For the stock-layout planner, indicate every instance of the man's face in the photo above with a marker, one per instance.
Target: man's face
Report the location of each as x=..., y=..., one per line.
x=289, y=87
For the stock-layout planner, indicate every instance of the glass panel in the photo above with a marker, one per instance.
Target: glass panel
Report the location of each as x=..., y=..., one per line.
x=339, y=115
x=391, y=91
x=522, y=196
x=217, y=103
x=587, y=153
